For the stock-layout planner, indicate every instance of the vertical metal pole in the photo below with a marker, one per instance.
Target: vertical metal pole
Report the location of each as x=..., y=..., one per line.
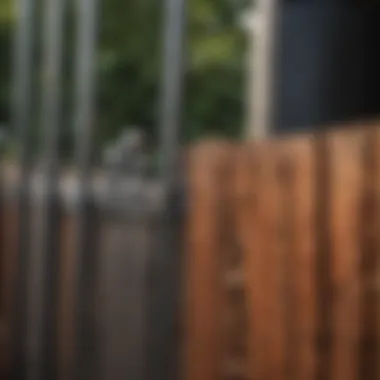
x=172, y=86
x=51, y=116
x=85, y=318
x=22, y=116
x=261, y=83
x=162, y=318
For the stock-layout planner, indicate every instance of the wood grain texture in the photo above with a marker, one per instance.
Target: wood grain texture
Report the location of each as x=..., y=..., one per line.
x=345, y=154
x=297, y=157
x=205, y=246
x=247, y=221
x=260, y=225
x=371, y=265
x=279, y=297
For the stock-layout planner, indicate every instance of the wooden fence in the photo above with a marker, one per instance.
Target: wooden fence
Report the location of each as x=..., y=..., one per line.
x=283, y=259
x=282, y=264
x=124, y=248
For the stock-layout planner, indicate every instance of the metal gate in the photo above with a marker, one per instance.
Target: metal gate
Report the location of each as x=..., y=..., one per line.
x=124, y=326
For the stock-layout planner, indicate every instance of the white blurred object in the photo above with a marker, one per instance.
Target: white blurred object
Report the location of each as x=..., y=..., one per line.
x=261, y=24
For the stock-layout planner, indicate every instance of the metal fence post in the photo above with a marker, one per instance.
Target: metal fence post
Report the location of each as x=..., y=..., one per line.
x=51, y=98
x=163, y=313
x=172, y=86
x=85, y=335
x=24, y=44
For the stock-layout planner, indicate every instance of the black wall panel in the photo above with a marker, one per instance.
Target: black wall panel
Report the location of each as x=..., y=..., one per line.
x=327, y=66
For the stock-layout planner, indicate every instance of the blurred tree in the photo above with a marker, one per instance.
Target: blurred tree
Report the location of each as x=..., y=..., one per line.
x=130, y=66
x=6, y=23
x=130, y=62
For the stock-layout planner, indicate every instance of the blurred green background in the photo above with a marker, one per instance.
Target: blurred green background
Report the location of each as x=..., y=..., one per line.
x=129, y=67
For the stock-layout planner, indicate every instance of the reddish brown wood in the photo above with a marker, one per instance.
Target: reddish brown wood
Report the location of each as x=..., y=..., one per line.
x=345, y=153
x=374, y=248
x=297, y=157
x=248, y=235
x=204, y=340
x=273, y=219
x=259, y=218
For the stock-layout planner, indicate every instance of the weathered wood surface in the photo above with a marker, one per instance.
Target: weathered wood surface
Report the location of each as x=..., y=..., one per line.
x=345, y=185
x=282, y=266
x=205, y=246
x=306, y=218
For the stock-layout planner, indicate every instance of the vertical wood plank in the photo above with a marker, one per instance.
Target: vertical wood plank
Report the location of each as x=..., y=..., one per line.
x=205, y=245
x=259, y=218
x=375, y=247
x=367, y=358
x=8, y=268
x=298, y=158
x=67, y=295
x=345, y=151
x=248, y=235
x=9, y=256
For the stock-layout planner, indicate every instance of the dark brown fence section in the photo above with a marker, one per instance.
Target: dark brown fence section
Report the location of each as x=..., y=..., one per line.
x=303, y=216
x=126, y=242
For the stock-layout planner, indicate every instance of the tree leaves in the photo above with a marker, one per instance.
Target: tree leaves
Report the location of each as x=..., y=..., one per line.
x=129, y=66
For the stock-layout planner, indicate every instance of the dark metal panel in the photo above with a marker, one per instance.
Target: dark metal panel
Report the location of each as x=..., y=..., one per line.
x=327, y=64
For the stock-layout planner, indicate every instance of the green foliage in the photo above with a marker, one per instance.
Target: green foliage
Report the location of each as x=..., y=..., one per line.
x=129, y=67
x=6, y=23
x=7, y=13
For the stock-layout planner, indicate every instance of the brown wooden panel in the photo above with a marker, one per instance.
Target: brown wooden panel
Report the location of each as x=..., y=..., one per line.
x=9, y=250
x=297, y=161
x=205, y=246
x=345, y=154
x=8, y=258
x=371, y=265
x=248, y=235
x=260, y=224
x=67, y=294
x=247, y=219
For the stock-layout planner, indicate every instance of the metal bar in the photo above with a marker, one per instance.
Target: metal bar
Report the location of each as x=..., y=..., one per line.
x=86, y=360
x=24, y=44
x=85, y=83
x=46, y=355
x=172, y=87
x=162, y=306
